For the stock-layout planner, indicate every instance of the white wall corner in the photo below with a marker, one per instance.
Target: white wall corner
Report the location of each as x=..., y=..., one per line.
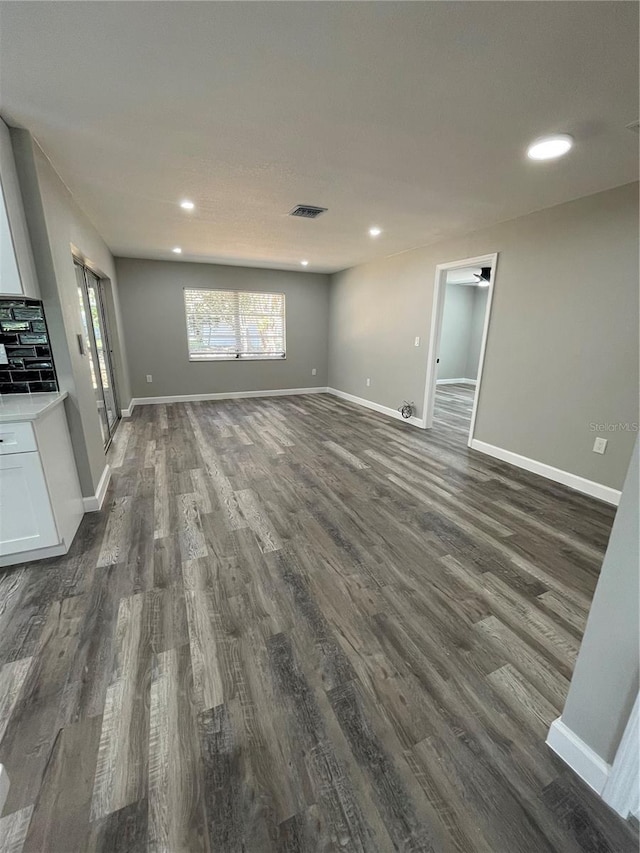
x=566, y=478
x=94, y=502
x=622, y=791
x=578, y=755
x=376, y=407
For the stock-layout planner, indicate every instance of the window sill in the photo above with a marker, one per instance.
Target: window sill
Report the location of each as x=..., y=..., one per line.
x=215, y=359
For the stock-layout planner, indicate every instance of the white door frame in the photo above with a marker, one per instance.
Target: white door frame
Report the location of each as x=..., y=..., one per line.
x=436, y=329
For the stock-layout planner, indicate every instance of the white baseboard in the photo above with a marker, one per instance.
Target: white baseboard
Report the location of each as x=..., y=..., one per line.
x=94, y=502
x=622, y=791
x=224, y=395
x=126, y=413
x=580, y=484
x=376, y=407
x=279, y=392
x=456, y=381
x=578, y=755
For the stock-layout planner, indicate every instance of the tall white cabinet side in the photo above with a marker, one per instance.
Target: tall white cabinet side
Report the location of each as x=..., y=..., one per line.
x=56, y=454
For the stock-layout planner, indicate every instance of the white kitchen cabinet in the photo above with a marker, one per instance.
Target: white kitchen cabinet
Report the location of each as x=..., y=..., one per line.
x=10, y=281
x=26, y=516
x=17, y=268
x=40, y=499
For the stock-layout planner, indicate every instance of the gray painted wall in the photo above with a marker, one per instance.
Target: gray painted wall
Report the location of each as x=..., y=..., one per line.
x=605, y=680
x=152, y=299
x=562, y=350
x=461, y=336
x=57, y=227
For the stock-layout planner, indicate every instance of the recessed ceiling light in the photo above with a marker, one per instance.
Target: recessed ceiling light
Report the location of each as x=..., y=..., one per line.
x=187, y=205
x=305, y=263
x=550, y=147
x=375, y=231
x=177, y=250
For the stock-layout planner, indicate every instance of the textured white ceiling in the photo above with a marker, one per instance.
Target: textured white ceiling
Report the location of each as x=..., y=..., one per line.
x=411, y=116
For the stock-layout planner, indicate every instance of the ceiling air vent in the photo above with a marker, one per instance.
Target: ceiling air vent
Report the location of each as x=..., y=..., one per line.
x=307, y=211
x=634, y=126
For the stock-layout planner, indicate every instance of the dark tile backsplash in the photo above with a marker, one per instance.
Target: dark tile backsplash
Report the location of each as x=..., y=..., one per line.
x=15, y=326
x=23, y=331
x=28, y=339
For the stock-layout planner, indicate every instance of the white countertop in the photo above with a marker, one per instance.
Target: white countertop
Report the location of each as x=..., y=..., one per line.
x=28, y=407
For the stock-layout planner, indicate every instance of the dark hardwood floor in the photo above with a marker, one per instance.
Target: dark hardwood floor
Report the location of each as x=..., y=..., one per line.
x=298, y=625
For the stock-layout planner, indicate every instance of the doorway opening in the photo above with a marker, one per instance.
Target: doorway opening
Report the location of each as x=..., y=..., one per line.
x=460, y=315
x=96, y=344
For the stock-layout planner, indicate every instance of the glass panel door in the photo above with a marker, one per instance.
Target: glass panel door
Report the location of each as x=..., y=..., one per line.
x=96, y=342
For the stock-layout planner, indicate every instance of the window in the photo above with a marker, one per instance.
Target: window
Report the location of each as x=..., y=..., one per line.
x=234, y=324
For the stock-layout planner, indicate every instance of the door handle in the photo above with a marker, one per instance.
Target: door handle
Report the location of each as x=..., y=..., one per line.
x=80, y=344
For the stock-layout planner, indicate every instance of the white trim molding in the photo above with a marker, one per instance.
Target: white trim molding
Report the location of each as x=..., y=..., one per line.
x=622, y=791
x=224, y=395
x=456, y=381
x=376, y=407
x=94, y=502
x=573, y=481
x=578, y=755
x=126, y=413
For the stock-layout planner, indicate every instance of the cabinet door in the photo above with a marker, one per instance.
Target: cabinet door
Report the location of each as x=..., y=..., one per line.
x=26, y=519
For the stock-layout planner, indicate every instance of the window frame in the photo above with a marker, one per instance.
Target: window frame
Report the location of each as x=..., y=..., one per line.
x=237, y=357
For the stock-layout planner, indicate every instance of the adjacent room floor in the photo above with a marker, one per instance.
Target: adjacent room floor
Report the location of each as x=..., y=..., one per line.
x=298, y=625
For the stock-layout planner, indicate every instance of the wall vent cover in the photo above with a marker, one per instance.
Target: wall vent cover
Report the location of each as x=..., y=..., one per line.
x=307, y=211
x=634, y=126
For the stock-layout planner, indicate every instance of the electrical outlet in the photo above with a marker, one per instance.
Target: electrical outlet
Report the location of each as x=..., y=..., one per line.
x=416, y=342
x=314, y=372
x=600, y=445
x=368, y=382
x=149, y=377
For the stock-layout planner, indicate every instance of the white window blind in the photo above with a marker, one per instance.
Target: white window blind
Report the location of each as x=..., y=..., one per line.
x=228, y=324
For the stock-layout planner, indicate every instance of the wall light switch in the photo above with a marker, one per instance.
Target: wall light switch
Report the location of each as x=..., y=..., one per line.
x=314, y=372
x=416, y=342
x=149, y=377
x=368, y=382
x=600, y=445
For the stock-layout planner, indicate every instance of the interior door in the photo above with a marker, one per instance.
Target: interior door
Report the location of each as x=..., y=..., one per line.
x=97, y=347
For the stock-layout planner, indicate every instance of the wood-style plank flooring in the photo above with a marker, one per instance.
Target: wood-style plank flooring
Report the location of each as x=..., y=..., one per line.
x=298, y=625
